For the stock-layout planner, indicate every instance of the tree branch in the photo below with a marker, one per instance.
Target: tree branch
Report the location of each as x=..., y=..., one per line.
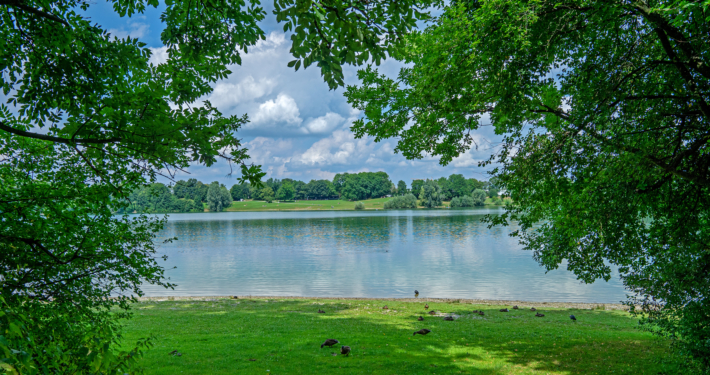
x=50, y=138
x=34, y=11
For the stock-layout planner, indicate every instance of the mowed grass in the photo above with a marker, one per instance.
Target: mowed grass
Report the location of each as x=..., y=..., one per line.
x=283, y=336
x=370, y=204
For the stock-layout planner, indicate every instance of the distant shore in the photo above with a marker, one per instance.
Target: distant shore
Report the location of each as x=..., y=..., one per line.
x=492, y=302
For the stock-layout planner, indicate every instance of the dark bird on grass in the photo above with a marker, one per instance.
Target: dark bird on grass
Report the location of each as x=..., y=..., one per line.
x=539, y=315
x=426, y=306
x=329, y=342
x=432, y=312
x=385, y=307
x=449, y=318
x=515, y=307
x=321, y=311
x=503, y=310
x=416, y=293
x=573, y=318
x=420, y=318
x=422, y=331
x=345, y=350
x=474, y=312
x=176, y=353
x=481, y=313
x=533, y=309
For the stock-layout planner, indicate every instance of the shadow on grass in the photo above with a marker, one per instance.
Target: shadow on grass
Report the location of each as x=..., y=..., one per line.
x=284, y=336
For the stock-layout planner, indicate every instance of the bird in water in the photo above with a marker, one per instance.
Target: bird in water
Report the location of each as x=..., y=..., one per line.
x=481, y=313
x=449, y=318
x=426, y=306
x=422, y=331
x=416, y=293
x=533, y=309
x=573, y=318
x=321, y=311
x=385, y=307
x=345, y=350
x=432, y=312
x=539, y=315
x=515, y=307
x=503, y=310
x=420, y=318
x=329, y=342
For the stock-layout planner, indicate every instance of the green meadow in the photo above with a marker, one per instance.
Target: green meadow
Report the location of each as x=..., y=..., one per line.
x=283, y=336
x=314, y=205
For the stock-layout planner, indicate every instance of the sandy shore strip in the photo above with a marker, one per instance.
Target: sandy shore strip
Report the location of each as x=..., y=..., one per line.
x=522, y=304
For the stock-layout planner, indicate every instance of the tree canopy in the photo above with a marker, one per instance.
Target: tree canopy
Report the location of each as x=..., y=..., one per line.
x=603, y=110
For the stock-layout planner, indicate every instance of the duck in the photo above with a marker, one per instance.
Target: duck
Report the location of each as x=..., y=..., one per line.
x=329, y=342
x=385, y=307
x=345, y=350
x=515, y=307
x=474, y=312
x=573, y=318
x=321, y=311
x=449, y=318
x=416, y=293
x=533, y=309
x=539, y=315
x=503, y=310
x=426, y=306
x=420, y=318
x=422, y=331
x=432, y=312
x=481, y=313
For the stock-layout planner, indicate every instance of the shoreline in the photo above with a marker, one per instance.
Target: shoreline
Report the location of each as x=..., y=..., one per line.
x=522, y=304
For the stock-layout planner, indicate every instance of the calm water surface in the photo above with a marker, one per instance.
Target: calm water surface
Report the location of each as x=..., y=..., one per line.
x=442, y=253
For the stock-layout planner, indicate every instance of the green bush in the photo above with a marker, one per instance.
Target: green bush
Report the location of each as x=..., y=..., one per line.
x=464, y=201
x=401, y=202
x=359, y=206
x=479, y=197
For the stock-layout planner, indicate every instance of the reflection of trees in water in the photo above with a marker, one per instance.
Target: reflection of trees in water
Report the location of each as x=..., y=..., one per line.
x=373, y=233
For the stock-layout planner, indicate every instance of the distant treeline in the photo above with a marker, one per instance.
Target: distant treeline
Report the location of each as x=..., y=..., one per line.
x=192, y=195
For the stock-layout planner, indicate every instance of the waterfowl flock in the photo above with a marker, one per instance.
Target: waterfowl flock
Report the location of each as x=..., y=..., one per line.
x=345, y=350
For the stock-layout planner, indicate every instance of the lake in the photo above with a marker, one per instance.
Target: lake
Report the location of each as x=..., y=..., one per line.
x=442, y=253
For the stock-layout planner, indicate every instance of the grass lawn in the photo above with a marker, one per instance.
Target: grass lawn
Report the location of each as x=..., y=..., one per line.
x=301, y=205
x=370, y=204
x=283, y=336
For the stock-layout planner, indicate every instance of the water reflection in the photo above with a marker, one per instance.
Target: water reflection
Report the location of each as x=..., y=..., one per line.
x=362, y=254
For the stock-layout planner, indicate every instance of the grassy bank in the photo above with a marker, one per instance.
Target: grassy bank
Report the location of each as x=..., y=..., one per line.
x=283, y=336
x=314, y=205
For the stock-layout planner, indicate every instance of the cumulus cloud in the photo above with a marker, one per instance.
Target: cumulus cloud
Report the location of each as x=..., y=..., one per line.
x=227, y=94
x=158, y=55
x=282, y=109
x=324, y=124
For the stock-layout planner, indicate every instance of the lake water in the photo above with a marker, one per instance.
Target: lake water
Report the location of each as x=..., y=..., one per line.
x=442, y=253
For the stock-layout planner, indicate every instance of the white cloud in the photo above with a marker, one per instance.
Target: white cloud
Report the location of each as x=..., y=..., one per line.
x=324, y=124
x=227, y=94
x=282, y=109
x=135, y=30
x=158, y=55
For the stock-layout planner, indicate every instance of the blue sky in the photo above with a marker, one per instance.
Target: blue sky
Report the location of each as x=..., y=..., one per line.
x=299, y=128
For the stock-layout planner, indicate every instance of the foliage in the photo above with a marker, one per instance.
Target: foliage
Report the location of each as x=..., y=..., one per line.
x=218, y=197
x=64, y=348
x=464, y=201
x=602, y=104
x=266, y=194
x=321, y=189
x=401, y=202
x=401, y=188
x=364, y=185
x=359, y=206
x=417, y=187
x=458, y=186
x=191, y=189
x=430, y=195
x=445, y=192
x=240, y=191
x=286, y=191
x=157, y=198
x=479, y=197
